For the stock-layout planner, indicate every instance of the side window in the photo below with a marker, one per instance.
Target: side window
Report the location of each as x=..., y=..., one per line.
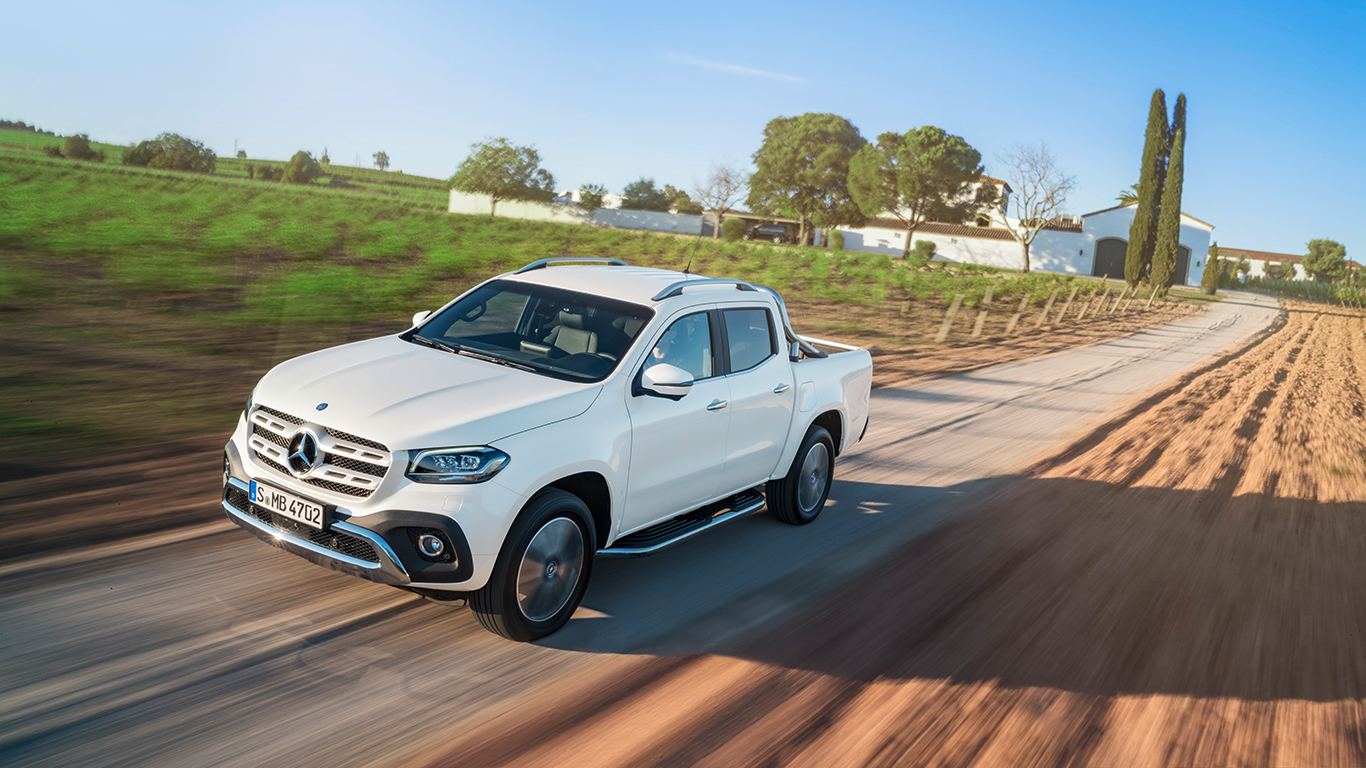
x=686, y=344
x=749, y=335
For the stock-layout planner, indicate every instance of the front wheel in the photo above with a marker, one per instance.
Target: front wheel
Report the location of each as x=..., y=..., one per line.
x=799, y=497
x=542, y=572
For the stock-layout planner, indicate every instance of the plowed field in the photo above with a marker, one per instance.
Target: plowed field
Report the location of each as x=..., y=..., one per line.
x=1185, y=587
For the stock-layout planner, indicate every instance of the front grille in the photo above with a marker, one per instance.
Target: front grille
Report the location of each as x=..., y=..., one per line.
x=374, y=470
x=351, y=465
x=280, y=440
x=349, y=490
x=340, y=435
x=336, y=541
x=281, y=416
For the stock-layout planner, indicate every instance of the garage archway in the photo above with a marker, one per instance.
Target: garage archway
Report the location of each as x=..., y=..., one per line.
x=1109, y=260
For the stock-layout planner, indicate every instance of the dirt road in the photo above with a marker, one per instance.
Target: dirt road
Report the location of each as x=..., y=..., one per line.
x=214, y=650
x=1185, y=588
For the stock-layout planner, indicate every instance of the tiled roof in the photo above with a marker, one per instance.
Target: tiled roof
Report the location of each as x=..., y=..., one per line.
x=1269, y=257
x=985, y=179
x=1126, y=205
x=935, y=228
x=1260, y=255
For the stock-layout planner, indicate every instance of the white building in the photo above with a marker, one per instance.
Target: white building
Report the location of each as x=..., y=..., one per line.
x=1090, y=244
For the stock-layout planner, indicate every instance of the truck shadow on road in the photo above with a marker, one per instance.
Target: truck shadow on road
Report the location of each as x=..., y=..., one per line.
x=1085, y=586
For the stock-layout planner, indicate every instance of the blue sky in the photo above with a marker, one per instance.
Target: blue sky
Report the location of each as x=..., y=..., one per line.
x=611, y=92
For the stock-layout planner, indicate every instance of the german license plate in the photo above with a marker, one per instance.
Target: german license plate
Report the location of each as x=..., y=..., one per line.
x=289, y=505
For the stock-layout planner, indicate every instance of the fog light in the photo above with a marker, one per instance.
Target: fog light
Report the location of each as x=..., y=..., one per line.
x=431, y=546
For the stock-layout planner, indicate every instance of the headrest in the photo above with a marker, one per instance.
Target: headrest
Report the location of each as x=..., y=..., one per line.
x=571, y=320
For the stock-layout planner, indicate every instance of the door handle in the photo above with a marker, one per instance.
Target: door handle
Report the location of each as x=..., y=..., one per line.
x=717, y=405
x=781, y=388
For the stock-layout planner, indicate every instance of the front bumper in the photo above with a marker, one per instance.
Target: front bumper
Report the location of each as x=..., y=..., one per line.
x=385, y=556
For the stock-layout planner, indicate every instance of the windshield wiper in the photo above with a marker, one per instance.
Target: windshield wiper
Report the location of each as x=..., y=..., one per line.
x=494, y=359
x=435, y=344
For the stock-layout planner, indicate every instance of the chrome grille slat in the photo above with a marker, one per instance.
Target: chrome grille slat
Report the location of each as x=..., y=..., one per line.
x=351, y=465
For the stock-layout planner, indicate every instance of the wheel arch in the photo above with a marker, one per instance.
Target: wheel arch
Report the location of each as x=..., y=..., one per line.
x=595, y=492
x=833, y=422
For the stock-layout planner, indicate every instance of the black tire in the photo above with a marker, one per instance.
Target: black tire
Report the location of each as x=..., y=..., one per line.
x=798, y=498
x=503, y=609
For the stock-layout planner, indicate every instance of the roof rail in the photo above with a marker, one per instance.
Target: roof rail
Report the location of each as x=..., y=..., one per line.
x=543, y=263
x=676, y=289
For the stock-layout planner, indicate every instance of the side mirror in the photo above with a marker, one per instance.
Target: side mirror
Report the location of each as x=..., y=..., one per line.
x=665, y=380
x=420, y=316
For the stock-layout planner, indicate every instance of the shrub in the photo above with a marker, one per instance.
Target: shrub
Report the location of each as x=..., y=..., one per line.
x=923, y=251
x=1209, y=281
x=52, y=150
x=733, y=229
x=77, y=147
x=836, y=240
x=172, y=152
x=302, y=169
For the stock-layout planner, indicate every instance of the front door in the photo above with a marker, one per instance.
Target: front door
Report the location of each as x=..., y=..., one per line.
x=1109, y=261
x=678, y=447
x=1183, y=265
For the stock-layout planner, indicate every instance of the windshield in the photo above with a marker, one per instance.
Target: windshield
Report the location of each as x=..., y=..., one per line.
x=549, y=330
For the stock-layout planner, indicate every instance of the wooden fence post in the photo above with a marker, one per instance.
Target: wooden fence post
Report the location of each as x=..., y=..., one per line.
x=1152, y=294
x=1100, y=303
x=948, y=318
x=1130, y=300
x=982, y=315
x=1068, y=306
x=1081, y=314
x=1015, y=319
x=1043, y=316
x=1118, y=299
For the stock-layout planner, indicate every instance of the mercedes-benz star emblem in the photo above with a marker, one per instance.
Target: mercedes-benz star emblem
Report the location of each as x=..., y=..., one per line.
x=303, y=452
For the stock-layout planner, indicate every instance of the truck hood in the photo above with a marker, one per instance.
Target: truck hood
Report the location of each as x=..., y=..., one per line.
x=408, y=396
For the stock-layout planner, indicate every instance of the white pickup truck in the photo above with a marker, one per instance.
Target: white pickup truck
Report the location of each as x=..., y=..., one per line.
x=562, y=410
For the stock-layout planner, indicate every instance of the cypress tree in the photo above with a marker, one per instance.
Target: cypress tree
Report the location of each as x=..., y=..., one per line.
x=1169, y=225
x=1138, y=258
x=1209, y=281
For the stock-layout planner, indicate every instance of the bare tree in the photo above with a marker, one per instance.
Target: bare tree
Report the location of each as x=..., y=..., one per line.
x=1040, y=191
x=720, y=191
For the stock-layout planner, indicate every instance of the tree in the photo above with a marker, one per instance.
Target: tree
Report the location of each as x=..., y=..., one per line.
x=381, y=160
x=1209, y=280
x=503, y=171
x=1128, y=195
x=301, y=169
x=1040, y=192
x=1288, y=270
x=325, y=160
x=1169, y=222
x=1326, y=260
x=172, y=151
x=642, y=195
x=680, y=202
x=923, y=175
x=241, y=154
x=590, y=197
x=720, y=191
x=803, y=171
x=1138, y=258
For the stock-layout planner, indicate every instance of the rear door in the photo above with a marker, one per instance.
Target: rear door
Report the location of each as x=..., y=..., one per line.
x=762, y=395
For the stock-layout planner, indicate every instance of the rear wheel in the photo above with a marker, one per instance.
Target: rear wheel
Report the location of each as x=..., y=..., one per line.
x=542, y=572
x=798, y=498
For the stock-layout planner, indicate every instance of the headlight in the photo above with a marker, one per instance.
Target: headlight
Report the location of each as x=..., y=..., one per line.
x=456, y=465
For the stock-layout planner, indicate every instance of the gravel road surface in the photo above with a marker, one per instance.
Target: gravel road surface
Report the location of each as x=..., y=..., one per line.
x=202, y=647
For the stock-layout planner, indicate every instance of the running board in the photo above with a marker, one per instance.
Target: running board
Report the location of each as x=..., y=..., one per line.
x=670, y=532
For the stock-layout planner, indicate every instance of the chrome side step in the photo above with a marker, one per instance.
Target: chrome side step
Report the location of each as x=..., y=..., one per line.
x=670, y=532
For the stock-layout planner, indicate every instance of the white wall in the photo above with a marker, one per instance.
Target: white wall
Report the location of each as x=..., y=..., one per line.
x=681, y=223
x=1115, y=223
x=970, y=250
